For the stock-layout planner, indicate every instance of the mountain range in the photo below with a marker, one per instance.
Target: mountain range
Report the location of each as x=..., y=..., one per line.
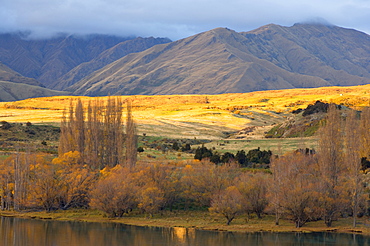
x=213, y=62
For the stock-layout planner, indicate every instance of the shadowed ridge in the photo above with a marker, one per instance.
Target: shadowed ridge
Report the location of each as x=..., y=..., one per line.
x=7, y=74
x=106, y=57
x=10, y=91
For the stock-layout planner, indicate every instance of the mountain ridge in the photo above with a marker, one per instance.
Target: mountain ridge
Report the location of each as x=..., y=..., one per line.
x=47, y=60
x=224, y=61
x=7, y=74
x=217, y=61
x=10, y=91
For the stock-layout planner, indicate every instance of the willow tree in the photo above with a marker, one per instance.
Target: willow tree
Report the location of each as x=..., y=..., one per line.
x=293, y=192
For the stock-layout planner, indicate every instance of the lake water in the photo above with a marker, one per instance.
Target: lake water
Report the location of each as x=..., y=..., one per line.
x=22, y=232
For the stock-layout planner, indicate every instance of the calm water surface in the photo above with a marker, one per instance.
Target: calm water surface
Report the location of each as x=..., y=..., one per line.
x=20, y=232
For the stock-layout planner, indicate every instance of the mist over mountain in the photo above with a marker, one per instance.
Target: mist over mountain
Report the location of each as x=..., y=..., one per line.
x=217, y=61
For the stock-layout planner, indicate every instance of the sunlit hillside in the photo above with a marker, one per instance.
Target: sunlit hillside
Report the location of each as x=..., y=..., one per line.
x=201, y=116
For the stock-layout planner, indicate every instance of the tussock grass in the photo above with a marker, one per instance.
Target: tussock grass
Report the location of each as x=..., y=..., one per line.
x=198, y=116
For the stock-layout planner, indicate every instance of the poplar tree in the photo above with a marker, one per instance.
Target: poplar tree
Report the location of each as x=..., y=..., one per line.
x=353, y=161
x=364, y=137
x=131, y=138
x=330, y=160
x=96, y=132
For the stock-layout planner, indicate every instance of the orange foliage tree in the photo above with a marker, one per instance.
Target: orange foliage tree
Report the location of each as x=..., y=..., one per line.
x=202, y=180
x=295, y=194
x=253, y=188
x=115, y=193
x=75, y=180
x=228, y=202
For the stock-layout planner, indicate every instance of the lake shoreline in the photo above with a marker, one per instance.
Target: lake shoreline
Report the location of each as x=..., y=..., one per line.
x=199, y=220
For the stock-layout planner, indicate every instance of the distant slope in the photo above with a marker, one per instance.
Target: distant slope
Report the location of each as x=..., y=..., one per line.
x=339, y=56
x=48, y=60
x=7, y=74
x=10, y=91
x=106, y=57
x=224, y=61
x=212, y=62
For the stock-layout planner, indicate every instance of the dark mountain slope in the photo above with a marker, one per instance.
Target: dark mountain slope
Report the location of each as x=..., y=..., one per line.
x=48, y=60
x=7, y=74
x=10, y=91
x=14, y=86
x=106, y=57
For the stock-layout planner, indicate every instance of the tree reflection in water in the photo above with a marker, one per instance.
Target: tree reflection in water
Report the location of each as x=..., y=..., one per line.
x=20, y=232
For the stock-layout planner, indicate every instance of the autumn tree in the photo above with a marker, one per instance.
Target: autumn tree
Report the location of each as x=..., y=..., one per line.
x=276, y=186
x=330, y=160
x=352, y=160
x=114, y=193
x=96, y=133
x=228, y=203
x=45, y=184
x=295, y=195
x=131, y=138
x=75, y=181
x=150, y=199
x=7, y=184
x=22, y=162
x=253, y=188
x=15, y=180
x=202, y=180
x=79, y=129
x=364, y=133
x=162, y=176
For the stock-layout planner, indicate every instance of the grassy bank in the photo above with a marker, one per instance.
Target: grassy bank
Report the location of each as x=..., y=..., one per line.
x=202, y=220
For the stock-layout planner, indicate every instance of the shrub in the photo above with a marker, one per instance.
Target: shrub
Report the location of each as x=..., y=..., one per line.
x=5, y=125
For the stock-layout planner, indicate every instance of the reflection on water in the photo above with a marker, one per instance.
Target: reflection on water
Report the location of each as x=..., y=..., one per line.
x=20, y=232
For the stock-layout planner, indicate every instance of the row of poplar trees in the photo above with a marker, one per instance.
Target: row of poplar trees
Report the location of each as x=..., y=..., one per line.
x=92, y=137
x=97, y=133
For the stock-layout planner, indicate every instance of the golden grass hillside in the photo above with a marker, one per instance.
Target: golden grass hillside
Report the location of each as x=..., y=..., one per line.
x=202, y=116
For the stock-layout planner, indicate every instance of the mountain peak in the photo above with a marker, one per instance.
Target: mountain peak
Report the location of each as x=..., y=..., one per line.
x=224, y=61
x=221, y=60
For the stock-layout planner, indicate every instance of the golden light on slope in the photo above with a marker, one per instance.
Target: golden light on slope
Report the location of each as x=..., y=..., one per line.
x=195, y=115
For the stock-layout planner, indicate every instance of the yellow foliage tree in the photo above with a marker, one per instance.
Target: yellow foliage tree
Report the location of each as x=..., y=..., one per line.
x=151, y=199
x=227, y=203
x=115, y=193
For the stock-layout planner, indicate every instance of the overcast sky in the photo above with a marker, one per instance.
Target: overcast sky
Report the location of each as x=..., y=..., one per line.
x=174, y=19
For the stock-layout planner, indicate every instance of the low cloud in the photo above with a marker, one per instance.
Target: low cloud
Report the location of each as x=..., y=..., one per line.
x=173, y=19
